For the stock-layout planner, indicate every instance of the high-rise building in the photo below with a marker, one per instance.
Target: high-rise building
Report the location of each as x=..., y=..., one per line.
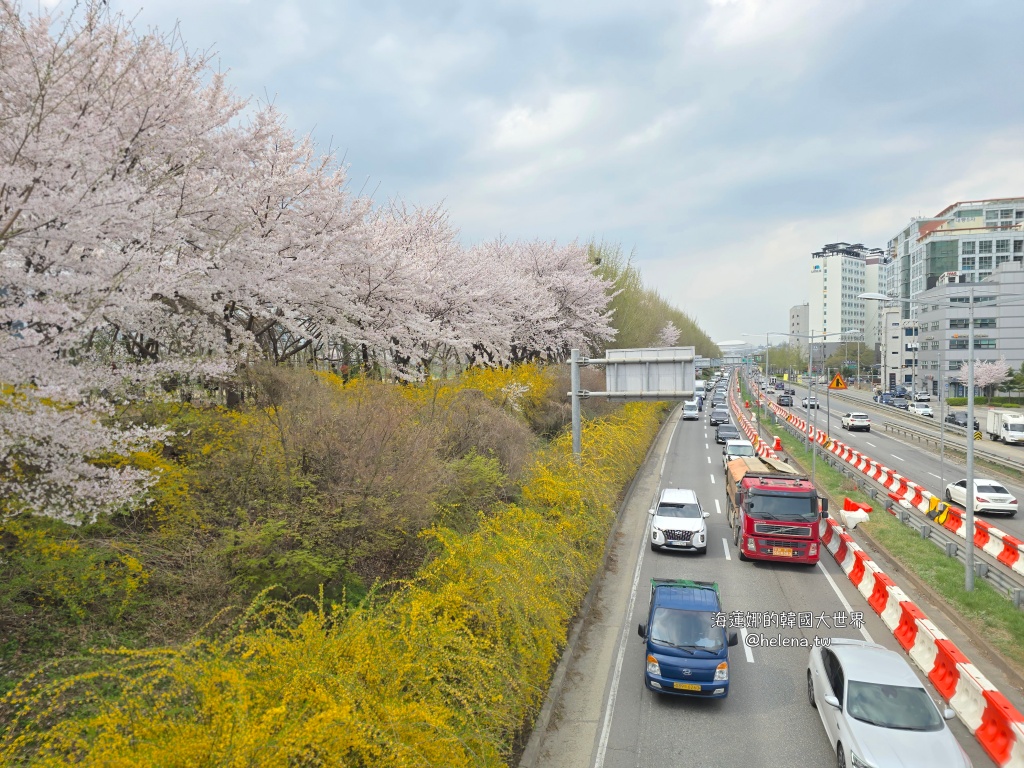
x=840, y=272
x=971, y=238
x=798, y=327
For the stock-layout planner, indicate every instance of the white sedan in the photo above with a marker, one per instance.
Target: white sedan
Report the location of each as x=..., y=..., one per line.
x=989, y=496
x=875, y=710
x=921, y=409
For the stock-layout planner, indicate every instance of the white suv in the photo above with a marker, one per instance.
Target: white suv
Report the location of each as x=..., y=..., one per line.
x=678, y=522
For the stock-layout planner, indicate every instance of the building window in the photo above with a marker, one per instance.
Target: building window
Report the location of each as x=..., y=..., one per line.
x=967, y=247
x=984, y=246
x=1002, y=258
x=983, y=275
x=957, y=322
x=1002, y=246
x=954, y=365
x=958, y=343
x=992, y=215
x=967, y=262
x=984, y=262
x=1006, y=213
x=984, y=322
x=984, y=343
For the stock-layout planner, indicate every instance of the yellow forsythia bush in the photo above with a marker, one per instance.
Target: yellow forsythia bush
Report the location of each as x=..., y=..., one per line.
x=443, y=672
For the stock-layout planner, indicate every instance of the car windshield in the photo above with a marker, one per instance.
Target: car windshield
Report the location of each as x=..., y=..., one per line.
x=742, y=450
x=892, y=706
x=679, y=510
x=694, y=630
x=772, y=507
x=1015, y=427
x=991, y=489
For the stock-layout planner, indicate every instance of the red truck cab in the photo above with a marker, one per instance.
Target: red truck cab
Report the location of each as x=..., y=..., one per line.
x=774, y=512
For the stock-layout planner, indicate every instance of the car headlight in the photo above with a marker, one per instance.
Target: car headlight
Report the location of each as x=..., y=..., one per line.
x=653, y=668
x=721, y=672
x=858, y=762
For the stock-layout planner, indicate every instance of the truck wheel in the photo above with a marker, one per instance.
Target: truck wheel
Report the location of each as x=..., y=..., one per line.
x=743, y=557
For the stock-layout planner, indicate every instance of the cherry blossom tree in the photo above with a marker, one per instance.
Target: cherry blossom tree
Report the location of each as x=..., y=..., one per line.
x=669, y=335
x=987, y=374
x=154, y=227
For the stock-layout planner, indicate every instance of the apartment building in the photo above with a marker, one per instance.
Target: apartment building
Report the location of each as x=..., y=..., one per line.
x=798, y=326
x=840, y=272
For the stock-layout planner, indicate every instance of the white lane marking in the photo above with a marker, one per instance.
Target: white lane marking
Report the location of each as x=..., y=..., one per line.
x=602, y=746
x=712, y=479
x=843, y=600
x=706, y=447
x=871, y=444
x=746, y=648
x=725, y=543
x=718, y=507
x=934, y=475
x=895, y=457
x=709, y=459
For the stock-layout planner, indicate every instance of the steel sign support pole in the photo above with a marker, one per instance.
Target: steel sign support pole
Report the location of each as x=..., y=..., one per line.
x=574, y=378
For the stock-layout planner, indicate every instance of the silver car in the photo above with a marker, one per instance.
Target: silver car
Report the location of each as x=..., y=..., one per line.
x=875, y=710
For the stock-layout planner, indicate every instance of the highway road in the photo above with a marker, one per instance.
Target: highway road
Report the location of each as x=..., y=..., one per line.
x=916, y=461
x=766, y=719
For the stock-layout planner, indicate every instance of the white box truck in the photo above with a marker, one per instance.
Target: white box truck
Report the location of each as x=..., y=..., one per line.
x=1007, y=426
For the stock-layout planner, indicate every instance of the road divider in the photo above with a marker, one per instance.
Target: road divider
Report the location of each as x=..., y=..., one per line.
x=1006, y=549
x=991, y=718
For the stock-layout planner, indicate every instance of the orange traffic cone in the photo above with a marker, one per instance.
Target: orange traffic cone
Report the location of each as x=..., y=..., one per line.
x=778, y=444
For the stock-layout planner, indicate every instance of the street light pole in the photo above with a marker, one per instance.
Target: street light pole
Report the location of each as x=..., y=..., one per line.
x=969, y=490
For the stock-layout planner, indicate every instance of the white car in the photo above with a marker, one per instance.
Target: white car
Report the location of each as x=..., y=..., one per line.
x=989, y=496
x=810, y=402
x=678, y=522
x=734, y=449
x=852, y=421
x=875, y=710
x=922, y=397
x=920, y=409
x=691, y=410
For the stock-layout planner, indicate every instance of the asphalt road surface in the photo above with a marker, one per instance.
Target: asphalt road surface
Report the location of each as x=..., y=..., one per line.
x=610, y=720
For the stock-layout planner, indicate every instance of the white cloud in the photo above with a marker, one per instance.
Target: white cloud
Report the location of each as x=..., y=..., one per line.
x=532, y=127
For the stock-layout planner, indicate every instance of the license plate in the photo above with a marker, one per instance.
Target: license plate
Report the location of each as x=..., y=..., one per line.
x=686, y=686
x=782, y=551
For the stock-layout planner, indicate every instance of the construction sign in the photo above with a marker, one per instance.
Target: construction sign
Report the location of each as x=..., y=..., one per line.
x=837, y=383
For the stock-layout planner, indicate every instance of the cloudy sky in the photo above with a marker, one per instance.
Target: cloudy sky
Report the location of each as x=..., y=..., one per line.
x=719, y=141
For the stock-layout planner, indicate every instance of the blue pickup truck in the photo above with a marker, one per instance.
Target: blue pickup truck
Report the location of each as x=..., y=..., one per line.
x=686, y=645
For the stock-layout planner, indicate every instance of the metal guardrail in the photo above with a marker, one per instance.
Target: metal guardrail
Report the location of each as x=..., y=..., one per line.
x=979, y=453
x=1008, y=582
